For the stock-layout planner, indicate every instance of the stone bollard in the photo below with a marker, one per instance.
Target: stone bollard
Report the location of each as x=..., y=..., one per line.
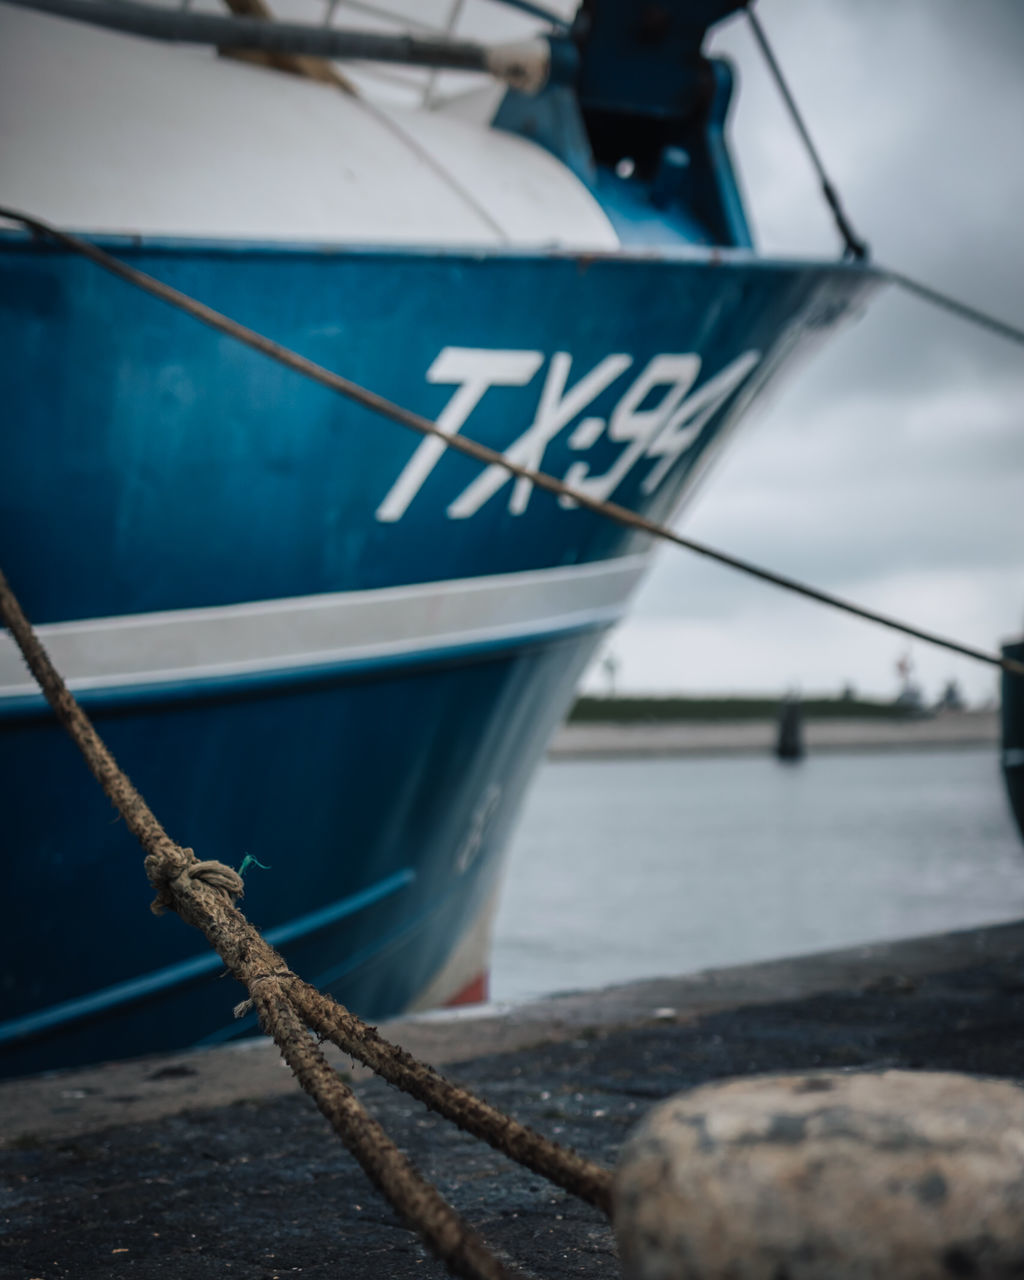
x=893, y=1175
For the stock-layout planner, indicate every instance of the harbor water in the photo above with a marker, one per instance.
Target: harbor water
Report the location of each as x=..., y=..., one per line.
x=633, y=868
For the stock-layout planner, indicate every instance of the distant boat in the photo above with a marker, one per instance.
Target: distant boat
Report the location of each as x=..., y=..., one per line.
x=789, y=730
x=1013, y=733
x=309, y=636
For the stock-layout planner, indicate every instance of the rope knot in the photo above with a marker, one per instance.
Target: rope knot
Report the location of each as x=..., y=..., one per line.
x=246, y=1006
x=172, y=863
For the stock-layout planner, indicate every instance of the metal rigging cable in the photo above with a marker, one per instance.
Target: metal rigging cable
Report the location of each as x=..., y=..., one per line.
x=855, y=247
x=962, y=309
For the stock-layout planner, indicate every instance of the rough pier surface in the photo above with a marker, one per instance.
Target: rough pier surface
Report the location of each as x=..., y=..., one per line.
x=260, y=1187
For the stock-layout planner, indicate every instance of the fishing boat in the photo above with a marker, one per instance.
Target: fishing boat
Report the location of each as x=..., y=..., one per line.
x=315, y=640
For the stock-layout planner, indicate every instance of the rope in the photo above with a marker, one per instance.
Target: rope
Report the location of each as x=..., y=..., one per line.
x=203, y=894
x=473, y=449
x=417, y=1200
x=565, y=1168
x=854, y=246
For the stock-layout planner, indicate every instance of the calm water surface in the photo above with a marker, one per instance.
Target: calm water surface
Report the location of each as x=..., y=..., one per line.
x=628, y=869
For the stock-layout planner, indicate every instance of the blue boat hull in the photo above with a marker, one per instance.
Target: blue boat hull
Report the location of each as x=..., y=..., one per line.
x=355, y=790
x=176, y=510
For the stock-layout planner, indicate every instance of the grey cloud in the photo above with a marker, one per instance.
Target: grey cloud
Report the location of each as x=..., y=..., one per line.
x=900, y=449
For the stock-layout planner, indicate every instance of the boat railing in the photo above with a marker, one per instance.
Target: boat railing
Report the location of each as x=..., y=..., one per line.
x=496, y=20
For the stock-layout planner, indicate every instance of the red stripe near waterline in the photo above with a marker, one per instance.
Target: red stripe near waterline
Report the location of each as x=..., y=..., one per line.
x=474, y=992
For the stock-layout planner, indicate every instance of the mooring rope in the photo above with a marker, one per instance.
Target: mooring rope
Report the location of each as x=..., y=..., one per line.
x=563, y=1167
x=203, y=894
x=480, y=452
x=854, y=246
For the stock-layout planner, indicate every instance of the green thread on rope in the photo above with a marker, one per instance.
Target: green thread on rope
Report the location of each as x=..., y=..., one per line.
x=249, y=861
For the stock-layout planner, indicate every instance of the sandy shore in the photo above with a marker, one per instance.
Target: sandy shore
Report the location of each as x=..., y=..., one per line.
x=729, y=737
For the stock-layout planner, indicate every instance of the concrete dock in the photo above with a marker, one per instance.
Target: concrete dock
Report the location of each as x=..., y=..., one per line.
x=602, y=740
x=212, y=1163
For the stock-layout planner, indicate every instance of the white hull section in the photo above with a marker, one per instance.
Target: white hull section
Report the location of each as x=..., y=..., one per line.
x=273, y=636
x=112, y=133
x=468, y=965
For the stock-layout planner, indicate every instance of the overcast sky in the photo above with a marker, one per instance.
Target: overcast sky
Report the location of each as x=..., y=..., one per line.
x=891, y=467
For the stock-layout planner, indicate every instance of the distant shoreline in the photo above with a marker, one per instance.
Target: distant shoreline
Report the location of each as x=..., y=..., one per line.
x=632, y=708
x=595, y=740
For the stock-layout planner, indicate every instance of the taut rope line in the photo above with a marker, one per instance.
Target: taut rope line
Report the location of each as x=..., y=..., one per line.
x=953, y=305
x=203, y=894
x=473, y=449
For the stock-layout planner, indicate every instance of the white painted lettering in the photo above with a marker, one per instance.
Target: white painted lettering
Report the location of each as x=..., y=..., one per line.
x=689, y=420
x=639, y=426
x=475, y=370
x=557, y=408
x=659, y=417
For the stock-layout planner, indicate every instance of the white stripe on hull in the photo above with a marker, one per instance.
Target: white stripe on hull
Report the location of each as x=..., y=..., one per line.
x=324, y=630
